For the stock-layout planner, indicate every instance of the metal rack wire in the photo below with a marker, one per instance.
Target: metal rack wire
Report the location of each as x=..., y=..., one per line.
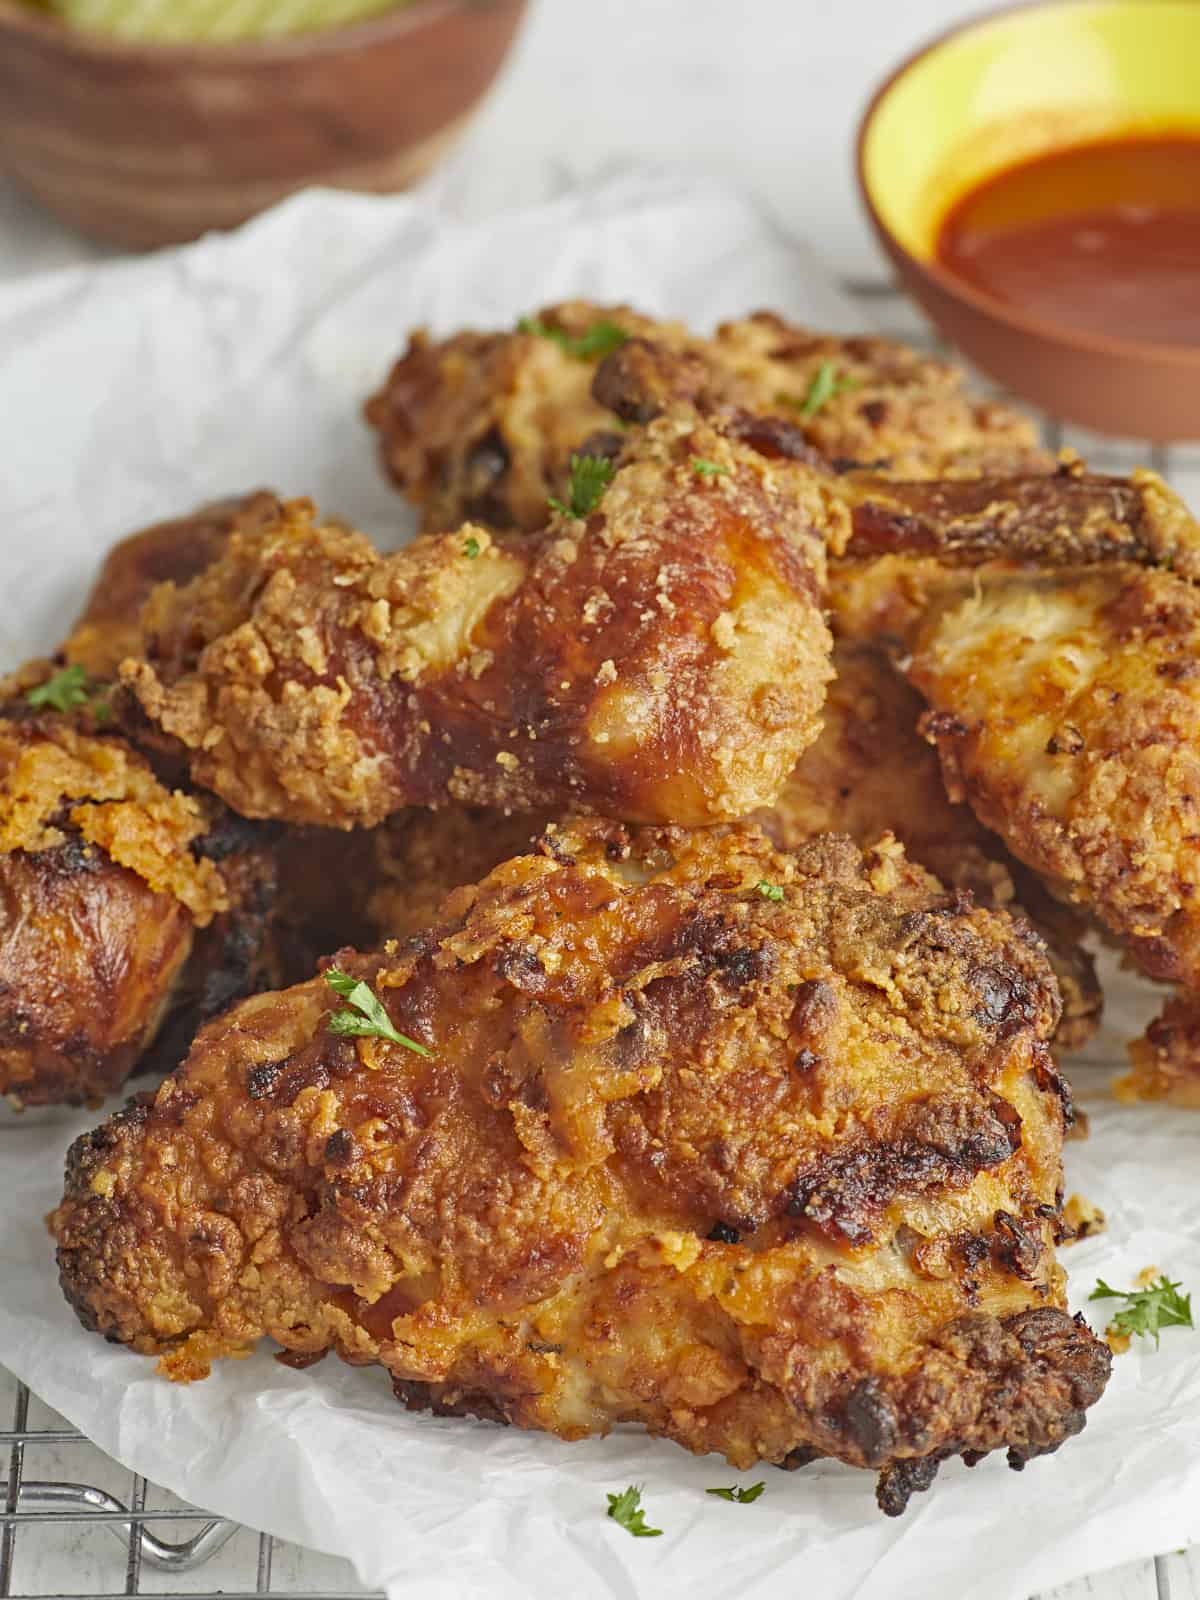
x=171, y=1539
x=174, y=1541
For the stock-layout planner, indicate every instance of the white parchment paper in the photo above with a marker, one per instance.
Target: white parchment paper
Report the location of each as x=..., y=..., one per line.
x=132, y=391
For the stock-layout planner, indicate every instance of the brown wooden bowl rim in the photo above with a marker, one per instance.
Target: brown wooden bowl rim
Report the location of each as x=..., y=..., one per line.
x=1184, y=358
x=405, y=18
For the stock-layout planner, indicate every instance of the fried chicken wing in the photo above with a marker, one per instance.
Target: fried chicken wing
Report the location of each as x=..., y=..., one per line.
x=1066, y=710
x=662, y=658
x=758, y=1150
x=481, y=427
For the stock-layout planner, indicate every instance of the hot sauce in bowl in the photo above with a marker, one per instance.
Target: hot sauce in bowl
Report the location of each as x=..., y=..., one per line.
x=1102, y=237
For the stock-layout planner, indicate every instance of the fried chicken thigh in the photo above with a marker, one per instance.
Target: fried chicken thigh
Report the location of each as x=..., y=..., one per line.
x=760, y=1151
x=481, y=426
x=661, y=658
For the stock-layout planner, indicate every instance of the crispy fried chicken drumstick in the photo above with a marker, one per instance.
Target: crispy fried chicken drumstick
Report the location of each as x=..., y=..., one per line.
x=659, y=656
x=760, y=1151
x=481, y=426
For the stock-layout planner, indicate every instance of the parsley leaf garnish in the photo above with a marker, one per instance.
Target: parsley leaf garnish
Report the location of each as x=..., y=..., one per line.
x=708, y=469
x=590, y=476
x=70, y=690
x=471, y=548
x=741, y=1497
x=364, y=1016
x=625, y=1508
x=601, y=339
x=825, y=384
x=769, y=891
x=1149, y=1310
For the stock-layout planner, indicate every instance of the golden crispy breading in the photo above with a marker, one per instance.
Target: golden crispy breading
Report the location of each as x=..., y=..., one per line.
x=481, y=426
x=419, y=856
x=1066, y=709
x=871, y=772
x=116, y=920
x=760, y=1151
x=914, y=547
x=131, y=911
x=89, y=958
x=170, y=552
x=663, y=659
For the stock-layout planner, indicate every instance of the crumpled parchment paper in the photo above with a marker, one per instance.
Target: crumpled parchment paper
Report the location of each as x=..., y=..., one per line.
x=134, y=390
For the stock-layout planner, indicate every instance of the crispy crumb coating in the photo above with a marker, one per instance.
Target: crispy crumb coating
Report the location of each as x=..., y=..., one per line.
x=1066, y=710
x=775, y=1178
x=130, y=911
x=480, y=426
x=124, y=906
x=664, y=659
x=169, y=552
x=871, y=772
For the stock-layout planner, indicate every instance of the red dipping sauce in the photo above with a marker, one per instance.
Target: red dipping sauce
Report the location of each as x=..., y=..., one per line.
x=1100, y=238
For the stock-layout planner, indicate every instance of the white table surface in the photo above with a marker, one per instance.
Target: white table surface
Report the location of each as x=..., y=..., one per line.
x=768, y=91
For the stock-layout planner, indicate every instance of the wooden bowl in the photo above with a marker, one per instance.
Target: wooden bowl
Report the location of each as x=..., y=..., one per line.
x=997, y=91
x=151, y=144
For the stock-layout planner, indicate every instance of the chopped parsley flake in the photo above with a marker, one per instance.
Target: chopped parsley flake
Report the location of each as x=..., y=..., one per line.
x=740, y=1497
x=1148, y=1310
x=590, y=476
x=825, y=384
x=363, y=1015
x=625, y=1509
x=601, y=339
x=708, y=469
x=70, y=690
x=769, y=891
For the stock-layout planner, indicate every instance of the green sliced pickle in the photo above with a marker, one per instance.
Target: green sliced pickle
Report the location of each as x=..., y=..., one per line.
x=213, y=21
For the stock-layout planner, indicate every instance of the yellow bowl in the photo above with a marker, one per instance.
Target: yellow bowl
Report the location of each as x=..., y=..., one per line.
x=1000, y=90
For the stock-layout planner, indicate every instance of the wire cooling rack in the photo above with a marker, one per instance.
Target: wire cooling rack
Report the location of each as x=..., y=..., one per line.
x=76, y=1526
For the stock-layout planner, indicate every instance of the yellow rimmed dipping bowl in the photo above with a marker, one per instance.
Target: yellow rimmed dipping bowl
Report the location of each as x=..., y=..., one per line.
x=998, y=91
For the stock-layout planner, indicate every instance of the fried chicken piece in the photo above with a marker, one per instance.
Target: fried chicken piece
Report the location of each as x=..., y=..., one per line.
x=121, y=901
x=664, y=658
x=759, y=1151
x=481, y=426
x=130, y=912
x=1066, y=710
